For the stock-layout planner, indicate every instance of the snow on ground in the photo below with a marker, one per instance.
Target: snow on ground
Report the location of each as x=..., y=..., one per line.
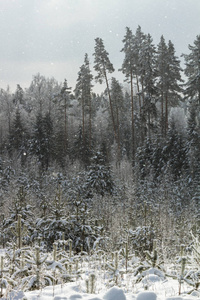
x=166, y=290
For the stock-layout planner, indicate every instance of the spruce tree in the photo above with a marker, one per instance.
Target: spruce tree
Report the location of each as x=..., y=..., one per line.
x=42, y=140
x=18, y=138
x=177, y=152
x=99, y=176
x=193, y=138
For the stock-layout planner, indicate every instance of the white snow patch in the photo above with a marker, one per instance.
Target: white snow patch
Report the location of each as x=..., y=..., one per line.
x=146, y=296
x=114, y=293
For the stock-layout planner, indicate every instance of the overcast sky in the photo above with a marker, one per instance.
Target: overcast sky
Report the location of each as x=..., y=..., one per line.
x=52, y=36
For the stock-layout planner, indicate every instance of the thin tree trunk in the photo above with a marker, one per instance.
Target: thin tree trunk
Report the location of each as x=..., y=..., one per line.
x=149, y=121
x=83, y=119
x=118, y=125
x=90, y=122
x=66, y=142
x=132, y=122
x=111, y=108
x=162, y=113
x=138, y=90
x=166, y=113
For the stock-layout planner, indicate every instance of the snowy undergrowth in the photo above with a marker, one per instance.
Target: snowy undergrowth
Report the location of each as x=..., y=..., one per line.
x=34, y=274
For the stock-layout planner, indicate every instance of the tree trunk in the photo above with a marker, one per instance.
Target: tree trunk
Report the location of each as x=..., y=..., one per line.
x=90, y=123
x=162, y=113
x=166, y=113
x=83, y=119
x=66, y=142
x=111, y=109
x=132, y=122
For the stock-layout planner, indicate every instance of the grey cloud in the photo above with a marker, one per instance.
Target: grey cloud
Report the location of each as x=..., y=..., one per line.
x=41, y=34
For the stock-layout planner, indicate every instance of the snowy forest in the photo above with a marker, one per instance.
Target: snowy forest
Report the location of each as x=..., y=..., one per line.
x=105, y=170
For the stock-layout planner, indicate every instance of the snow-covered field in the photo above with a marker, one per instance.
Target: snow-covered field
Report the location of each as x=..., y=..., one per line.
x=94, y=277
x=157, y=290
x=72, y=291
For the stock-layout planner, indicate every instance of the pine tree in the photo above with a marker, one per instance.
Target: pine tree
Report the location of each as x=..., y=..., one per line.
x=139, y=39
x=103, y=66
x=169, y=79
x=192, y=71
x=147, y=66
x=148, y=74
x=173, y=94
x=118, y=106
x=81, y=148
x=162, y=77
x=83, y=93
x=64, y=105
x=129, y=69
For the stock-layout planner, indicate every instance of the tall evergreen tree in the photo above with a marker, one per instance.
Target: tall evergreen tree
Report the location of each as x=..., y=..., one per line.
x=118, y=106
x=18, y=96
x=42, y=140
x=81, y=148
x=148, y=73
x=173, y=93
x=192, y=71
x=103, y=66
x=177, y=152
x=162, y=77
x=129, y=69
x=18, y=137
x=139, y=39
x=64, y=103
x=193, y=138
x=169, y=79
x=83, y=93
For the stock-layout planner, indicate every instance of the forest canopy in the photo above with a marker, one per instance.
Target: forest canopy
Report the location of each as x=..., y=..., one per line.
x=71, y=152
